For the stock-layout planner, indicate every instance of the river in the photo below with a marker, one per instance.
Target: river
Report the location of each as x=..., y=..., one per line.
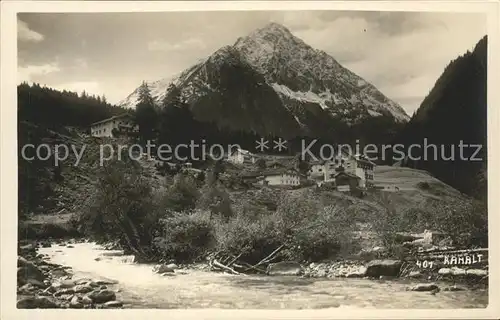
x=139, y=287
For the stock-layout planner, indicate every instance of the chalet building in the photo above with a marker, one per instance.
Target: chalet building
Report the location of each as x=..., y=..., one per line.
x=122, y=124
x=358, y=165
x=346, y=182
x=280, y=177
x=323, y=171
x=241, y=156
x=276, y=177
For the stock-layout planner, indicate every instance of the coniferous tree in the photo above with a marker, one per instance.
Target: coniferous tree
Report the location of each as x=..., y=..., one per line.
x=146, y=116
x=177, y=124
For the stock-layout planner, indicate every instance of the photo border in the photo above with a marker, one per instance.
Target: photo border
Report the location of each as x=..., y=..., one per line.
x=8, y=160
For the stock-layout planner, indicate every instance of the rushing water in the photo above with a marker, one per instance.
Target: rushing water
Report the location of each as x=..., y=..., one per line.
x=141, y=288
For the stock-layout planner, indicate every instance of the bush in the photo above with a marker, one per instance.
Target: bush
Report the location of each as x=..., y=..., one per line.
x=306, y=232
x=184, y=236
x=121, y=207
x=324, y=234
x=214, y=198
x=464, y=221
x=183, y=193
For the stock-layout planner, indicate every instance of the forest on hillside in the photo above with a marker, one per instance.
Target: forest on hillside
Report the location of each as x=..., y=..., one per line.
x=455, y=110
x=56, y=109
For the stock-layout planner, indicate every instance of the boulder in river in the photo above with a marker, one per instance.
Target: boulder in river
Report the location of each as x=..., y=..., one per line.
x=102, y=296
x=425, y=287
x=454, y=288
x=377, y=268
x=162, y=268
x=285, y=268
x=113, y=253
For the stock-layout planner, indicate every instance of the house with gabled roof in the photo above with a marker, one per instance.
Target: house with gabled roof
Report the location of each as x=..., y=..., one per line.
x=113, y=126
x=276, y=177
x=241, y=156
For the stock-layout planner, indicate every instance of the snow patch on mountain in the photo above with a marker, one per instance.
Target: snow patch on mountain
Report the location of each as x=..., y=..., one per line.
x=307, y=96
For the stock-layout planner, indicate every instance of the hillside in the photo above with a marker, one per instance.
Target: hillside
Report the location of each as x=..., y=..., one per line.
x=56, y=109
x=455, y=110
x=272, y=83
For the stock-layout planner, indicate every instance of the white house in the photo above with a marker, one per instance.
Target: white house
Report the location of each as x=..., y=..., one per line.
x=323, y=171
x=240, y=156
x=123, y=123
x=359, y=165
x=280, y=177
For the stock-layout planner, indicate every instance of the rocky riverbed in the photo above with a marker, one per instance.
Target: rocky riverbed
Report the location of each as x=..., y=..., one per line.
x=85, y=275
x=42, y=284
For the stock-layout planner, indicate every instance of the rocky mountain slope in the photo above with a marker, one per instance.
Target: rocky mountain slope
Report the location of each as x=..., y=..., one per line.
x=271, y=82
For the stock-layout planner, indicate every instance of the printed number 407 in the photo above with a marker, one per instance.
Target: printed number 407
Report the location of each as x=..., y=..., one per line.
x=424, y=264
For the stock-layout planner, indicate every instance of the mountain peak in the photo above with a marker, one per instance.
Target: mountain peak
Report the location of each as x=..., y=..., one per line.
x=275, y=27
x=270, y=35
x=300, y=76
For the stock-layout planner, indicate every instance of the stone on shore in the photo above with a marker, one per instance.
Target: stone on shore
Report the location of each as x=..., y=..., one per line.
x=36, y=283
x=63, y=284
x=286, y=268
x=415, y=274
x=455, y=271
x=113, y=304
x=377, y=268
x=64, y=291
x=477, y=272
x=86, y=300
x=359, y=273
x=36, y=303
x=102, y=296
x=444, y=271
x=75, y=302
x=82, y=288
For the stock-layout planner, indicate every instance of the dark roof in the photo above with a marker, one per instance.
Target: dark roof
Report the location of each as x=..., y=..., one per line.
x=347, y=174
x=123, y=115
x=270, y=172
x=242, y=151
x=274, y=163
